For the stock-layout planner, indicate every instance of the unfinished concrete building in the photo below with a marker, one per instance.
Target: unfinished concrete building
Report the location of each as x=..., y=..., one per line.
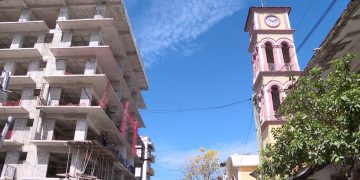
x=74, y=93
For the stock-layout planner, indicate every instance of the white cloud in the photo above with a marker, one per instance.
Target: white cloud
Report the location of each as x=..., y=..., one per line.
x=169, y=25
x=170, y=159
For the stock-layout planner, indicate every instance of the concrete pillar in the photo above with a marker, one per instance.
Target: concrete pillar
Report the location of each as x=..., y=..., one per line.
x=12, y=158
x=90, y=67
x=60, y=67
x=66, y=39
x=63, y=15
x=86, y=96
x=47, y=132
x=120, y=61
x=27, y=97
x=19, y=130
x=25, y=15
x=95, y=38
x=40, y=39
x=54, y=96
x=17, y=41
x=35, y=131
x=34, y=66
x=146, y=162
x=100, y=11
x=128, y=80
x=39, y=164
x=77, y=161
x=81, y=129
x=10, y=67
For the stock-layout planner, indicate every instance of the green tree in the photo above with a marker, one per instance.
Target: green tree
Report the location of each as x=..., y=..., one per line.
x=204, y=166
x=322, y=112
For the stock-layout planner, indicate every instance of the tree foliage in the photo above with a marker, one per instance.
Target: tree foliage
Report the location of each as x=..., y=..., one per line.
x=322, y=113
x=204, y=166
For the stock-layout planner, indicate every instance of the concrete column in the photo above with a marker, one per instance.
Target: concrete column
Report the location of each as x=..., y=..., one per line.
x=39, y=164
x=25, y=15
x=11, y=159
x=120, y=62
x=40, y=39
x=86, y=96
x=54, y=96
x=146, y=161
x=100, y=12
x=77, y=161
x=66, y=39
x=34, y=66
x=10, y=67
x=19, y=130
x=60, y=67
x=35, y=131
x=90, y=67
x=128, y=80
x=48, y=127
x=17, y=41
x=81, y=129
x=95, y=38
x=63, y=15
x=27, y=98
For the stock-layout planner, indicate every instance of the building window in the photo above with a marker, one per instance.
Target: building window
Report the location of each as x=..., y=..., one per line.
x=275, y=95
x=269, y=53
x=285, y=52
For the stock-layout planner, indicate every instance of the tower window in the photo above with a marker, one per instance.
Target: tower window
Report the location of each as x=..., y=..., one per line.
x=275, y=94
x=285, y=52
x=269, y=53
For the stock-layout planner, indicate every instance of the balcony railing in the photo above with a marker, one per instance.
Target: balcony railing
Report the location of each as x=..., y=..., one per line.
x=272, y=67
x=288, y=66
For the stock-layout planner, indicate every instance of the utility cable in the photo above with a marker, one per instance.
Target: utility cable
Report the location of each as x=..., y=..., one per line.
x=316, y=25
x=197, y=108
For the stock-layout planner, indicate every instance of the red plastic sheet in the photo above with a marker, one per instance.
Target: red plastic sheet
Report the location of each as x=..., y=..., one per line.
x=105, y=97
x=127, y=118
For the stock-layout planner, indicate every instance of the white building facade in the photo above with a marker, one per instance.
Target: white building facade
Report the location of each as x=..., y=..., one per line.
x=74, y=92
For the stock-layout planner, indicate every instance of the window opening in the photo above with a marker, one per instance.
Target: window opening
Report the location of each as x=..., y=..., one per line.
x=275, y=94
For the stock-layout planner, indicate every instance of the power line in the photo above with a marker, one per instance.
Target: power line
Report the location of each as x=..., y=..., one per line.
x=316, y=24
x=306, y=11
x=178, y=110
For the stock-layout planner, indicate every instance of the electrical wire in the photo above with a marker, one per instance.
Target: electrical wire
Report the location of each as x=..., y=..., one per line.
x=316, y=25
x=179, y=110
x=306, y=11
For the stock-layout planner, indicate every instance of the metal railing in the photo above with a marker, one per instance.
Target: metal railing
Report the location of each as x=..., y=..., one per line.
x=272, y=66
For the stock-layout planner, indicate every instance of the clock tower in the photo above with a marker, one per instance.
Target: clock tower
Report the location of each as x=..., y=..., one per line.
x=274, y=60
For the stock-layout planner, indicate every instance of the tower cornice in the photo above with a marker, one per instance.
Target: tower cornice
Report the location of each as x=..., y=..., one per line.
x=262, y=74
x=281, y=9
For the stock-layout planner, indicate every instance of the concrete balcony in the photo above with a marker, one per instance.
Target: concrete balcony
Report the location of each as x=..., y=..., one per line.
x=105, y=60
x=109, y=32
x=97, y=119
x=21, y=80
x=27, y=26
x=98, y=81
x=20, y=53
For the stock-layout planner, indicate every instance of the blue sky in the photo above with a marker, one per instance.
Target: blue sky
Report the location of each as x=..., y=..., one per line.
x=195, y=53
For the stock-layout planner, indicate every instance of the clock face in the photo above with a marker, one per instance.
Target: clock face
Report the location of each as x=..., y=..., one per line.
x=272, y=21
